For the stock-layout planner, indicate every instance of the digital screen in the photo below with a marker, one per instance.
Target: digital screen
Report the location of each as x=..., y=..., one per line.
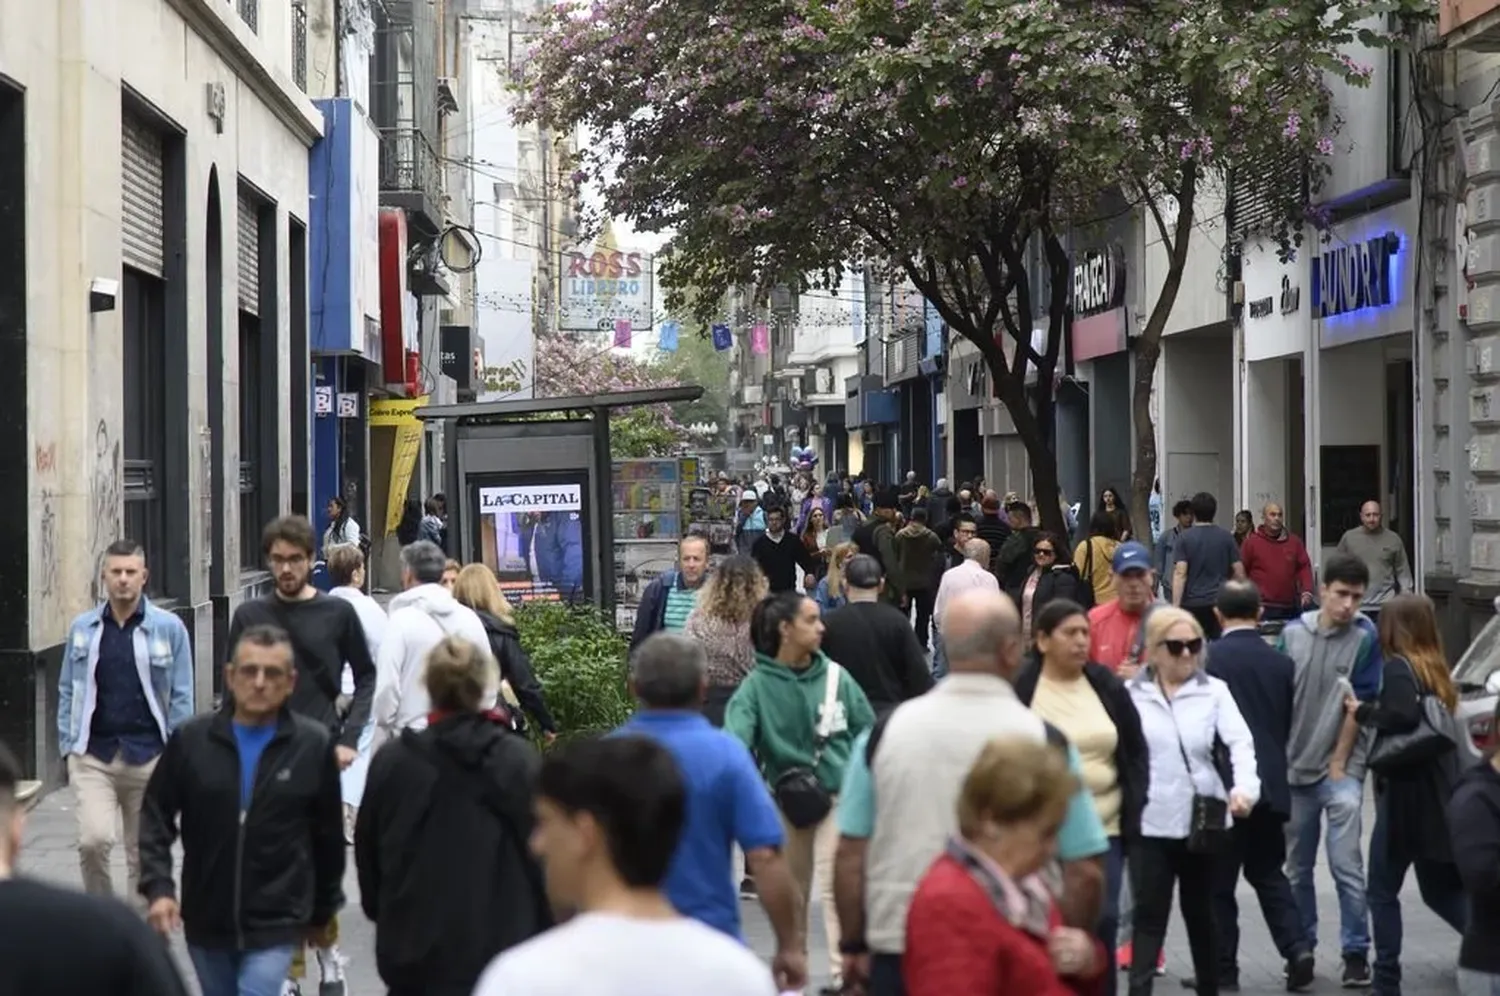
x=534, y=537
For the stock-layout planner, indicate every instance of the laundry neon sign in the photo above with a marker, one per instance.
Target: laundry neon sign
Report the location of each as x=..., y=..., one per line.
x=1355, y=277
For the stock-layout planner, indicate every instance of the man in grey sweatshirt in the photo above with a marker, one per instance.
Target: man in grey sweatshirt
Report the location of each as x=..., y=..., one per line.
x=1383, y=554
x=1336, y=652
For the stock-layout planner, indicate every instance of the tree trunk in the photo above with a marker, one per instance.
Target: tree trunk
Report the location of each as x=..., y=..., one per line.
x=1143, y=480
x=1148, y=352
x=1039, y=453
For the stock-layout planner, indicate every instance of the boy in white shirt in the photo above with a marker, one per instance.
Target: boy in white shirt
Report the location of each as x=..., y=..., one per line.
x=608, y=815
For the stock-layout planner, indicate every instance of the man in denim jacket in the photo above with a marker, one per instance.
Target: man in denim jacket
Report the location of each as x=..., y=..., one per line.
x=126, y=684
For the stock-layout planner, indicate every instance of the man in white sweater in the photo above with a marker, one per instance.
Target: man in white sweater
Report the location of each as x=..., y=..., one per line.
x=420, y=617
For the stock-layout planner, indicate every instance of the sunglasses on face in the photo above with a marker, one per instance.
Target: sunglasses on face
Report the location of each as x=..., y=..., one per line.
x=1043, y=551
x=1183, y=648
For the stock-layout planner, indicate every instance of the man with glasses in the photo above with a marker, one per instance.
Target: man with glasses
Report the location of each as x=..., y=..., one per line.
x=325, y=634
x=254, y=792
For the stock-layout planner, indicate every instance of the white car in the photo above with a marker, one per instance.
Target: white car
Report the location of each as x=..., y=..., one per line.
x=1477, y=675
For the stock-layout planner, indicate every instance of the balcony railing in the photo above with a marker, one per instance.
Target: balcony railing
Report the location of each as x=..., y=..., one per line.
x=409, y=165
x=299, y=44
x=250, y=13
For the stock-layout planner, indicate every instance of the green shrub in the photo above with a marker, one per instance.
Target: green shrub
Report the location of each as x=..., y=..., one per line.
x=580, y=659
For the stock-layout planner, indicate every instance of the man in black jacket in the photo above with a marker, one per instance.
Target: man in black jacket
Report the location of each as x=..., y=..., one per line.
x=874, y=641
x=255, y=791
x=1261, y=680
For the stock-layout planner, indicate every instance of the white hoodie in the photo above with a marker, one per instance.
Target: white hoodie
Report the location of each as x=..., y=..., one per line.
x=419, y=620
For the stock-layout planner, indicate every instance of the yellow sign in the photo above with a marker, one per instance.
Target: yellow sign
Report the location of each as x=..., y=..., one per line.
x=403, y=462
x=396, y=411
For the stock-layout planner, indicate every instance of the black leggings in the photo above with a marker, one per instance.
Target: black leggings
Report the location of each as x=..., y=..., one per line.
x=716, y=702
x=1155, y=866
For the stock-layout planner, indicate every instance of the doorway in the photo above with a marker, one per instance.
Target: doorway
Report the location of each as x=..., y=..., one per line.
x=1400, y=445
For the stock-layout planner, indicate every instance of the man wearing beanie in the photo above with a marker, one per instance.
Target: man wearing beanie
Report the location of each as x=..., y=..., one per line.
x=874, y=641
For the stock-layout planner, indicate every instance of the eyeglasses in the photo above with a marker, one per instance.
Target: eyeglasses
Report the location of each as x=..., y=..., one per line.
x=1044, y=551
x=1183, y=648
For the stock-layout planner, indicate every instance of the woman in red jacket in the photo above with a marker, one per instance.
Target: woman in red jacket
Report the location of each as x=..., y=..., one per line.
x=983, y=922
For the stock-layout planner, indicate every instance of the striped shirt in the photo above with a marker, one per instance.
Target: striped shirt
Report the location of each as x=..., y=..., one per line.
x=680, y=602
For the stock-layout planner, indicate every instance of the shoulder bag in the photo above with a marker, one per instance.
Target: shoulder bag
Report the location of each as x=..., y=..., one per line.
x=1208, y=828
x=1434, y=735
x=800, y=795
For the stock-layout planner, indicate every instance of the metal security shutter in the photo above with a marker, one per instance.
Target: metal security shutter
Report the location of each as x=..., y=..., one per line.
x=142, y=188
x=249, y=253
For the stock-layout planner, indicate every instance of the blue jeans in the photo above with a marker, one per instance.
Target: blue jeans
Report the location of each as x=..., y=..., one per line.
x=1109, y=917
x=1442, y=892
x=939, y=658
x=241, y=973
x=1341, y=801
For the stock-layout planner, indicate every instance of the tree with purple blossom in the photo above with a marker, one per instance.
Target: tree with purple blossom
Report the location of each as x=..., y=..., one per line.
x=947, y=143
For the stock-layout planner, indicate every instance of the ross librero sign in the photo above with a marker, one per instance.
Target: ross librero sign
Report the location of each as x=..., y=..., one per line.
x=601, y=286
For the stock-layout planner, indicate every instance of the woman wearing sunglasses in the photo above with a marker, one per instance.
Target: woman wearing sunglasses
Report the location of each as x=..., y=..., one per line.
x=1051, y=577
x=1185, y=715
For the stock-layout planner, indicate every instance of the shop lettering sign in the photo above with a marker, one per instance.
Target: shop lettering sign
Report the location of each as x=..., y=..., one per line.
x=1262, y=307
x=1291, y=297
x=1355, y=277
x=1098, y=282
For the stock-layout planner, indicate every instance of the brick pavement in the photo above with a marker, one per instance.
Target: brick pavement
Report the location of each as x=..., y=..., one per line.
x=1430, y=947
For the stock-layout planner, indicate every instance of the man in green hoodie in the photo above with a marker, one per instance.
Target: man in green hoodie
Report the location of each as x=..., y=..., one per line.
x=797, y=710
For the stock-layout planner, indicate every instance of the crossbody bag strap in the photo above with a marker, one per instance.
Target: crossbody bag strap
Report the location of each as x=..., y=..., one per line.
x=824, y=728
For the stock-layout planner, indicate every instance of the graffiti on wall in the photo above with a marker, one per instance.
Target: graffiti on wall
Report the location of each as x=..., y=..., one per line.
x=105, y=501
x=48, y=550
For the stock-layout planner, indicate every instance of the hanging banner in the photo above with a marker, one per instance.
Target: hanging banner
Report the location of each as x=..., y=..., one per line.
x=723, y=338
x=622, y=333
x=760, y=339
x=668, y=341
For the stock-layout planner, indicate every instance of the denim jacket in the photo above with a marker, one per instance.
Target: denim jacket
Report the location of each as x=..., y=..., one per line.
x=163, y=658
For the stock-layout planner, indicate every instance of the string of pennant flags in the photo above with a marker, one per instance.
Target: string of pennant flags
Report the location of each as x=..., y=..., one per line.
x=669, y=331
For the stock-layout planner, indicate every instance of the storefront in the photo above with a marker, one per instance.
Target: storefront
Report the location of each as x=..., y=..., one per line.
x=1098, y=341
x=1360, y=296
x=1275, y=328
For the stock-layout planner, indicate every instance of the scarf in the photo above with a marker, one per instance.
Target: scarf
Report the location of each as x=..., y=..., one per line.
x=1025, y=904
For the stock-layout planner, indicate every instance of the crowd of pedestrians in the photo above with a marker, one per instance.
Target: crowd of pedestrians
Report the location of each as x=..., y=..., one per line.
x=991, y=758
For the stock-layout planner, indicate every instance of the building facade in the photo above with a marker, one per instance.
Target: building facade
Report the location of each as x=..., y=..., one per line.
x=154, y=195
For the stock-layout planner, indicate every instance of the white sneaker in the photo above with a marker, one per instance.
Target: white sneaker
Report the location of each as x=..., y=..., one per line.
x=290, y=988
x=331, y=965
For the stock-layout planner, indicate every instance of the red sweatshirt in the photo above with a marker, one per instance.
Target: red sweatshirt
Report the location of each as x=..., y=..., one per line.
x=1279, y=567
x=957, y=942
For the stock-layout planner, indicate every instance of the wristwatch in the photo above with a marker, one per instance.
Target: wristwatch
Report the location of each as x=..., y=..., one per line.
x=853, y=947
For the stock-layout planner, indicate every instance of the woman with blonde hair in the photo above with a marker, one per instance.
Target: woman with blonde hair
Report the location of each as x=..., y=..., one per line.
x=1188, y=810
x=1411, y=798
x=477, y=588
x=832, y=591
x=445, y=873
x=720, y=621
x=983, y=920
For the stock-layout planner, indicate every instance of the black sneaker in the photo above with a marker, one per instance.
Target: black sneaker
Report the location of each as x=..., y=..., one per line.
x=1299, y=972
x=1226, y=985
x=1357, y=972
x=747, y=888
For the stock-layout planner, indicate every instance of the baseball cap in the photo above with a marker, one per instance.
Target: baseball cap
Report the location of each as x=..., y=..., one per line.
x=863, y=572
x=1131, y=556
x=749, y=494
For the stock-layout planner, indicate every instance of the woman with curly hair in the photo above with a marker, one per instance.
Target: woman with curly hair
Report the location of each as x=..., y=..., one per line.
x=720, y=621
